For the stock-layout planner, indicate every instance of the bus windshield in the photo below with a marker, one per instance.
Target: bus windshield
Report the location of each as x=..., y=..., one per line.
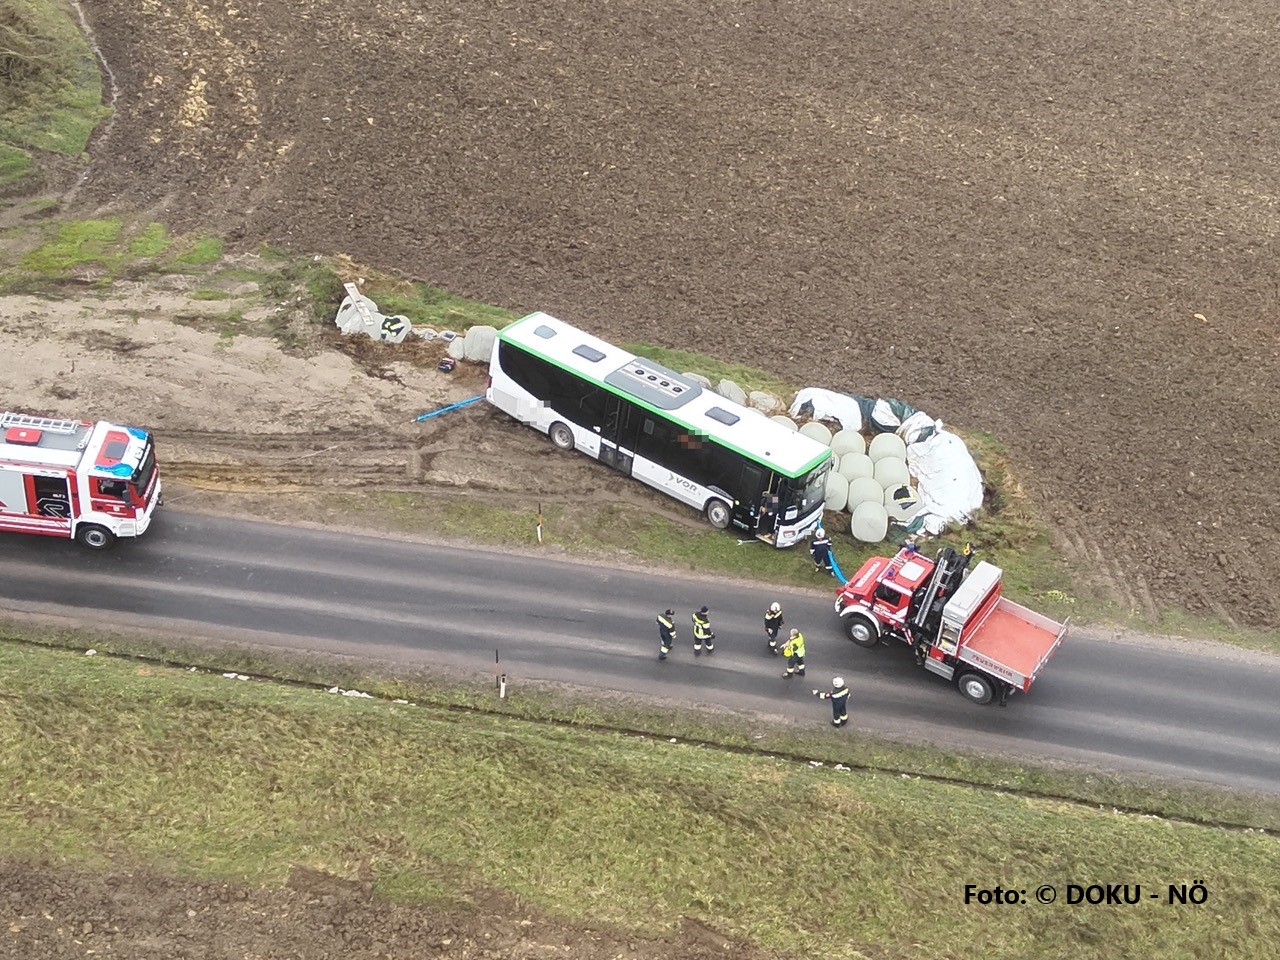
x=805, y=494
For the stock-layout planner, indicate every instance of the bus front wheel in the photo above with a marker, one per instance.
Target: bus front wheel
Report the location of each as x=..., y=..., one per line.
x=561, y=436
x=94, y=537
x=718, y=514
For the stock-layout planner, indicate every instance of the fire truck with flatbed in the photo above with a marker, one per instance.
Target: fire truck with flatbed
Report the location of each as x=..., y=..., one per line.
x=956, y=621
x=91, y=482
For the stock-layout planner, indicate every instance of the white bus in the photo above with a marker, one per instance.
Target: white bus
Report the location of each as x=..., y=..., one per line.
x=734, y=465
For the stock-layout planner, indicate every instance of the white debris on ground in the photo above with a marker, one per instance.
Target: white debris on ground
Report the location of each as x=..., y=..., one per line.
x=350, y=693
x=358, y=314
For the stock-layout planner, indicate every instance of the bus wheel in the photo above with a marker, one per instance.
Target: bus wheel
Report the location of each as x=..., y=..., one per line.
x=717, y=514
x=861, y=630
x=976, y=687
x=561, y=436
x=95, y=538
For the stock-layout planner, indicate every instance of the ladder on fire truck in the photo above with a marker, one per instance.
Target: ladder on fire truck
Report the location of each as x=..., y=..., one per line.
x=47, y=424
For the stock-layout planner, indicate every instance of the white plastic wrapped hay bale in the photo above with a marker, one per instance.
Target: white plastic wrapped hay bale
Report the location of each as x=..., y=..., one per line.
x=902, y=503
x=785, y=422
x=837, y=492
x=817, y=431
x=891, y=472
x=887, y=445
x=855, y=465
x=731, y=391
x=763, y=400
x=848, y=441
x=477, y=345
x=870, y=522
x=865, y=490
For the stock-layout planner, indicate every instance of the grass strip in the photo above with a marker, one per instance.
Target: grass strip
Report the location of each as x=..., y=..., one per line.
x=105, y=760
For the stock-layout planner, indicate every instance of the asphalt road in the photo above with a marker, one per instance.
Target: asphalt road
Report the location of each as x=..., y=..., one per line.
x=1188, y=711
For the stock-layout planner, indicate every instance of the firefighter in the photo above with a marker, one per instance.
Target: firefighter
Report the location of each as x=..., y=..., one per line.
x=839, y=697
x=666, y=633
x=772, y=624
x=793, y=650
x=702, y=632
x=820, y=549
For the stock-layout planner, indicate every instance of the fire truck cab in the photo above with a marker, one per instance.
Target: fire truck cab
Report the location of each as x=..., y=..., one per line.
x=955, y=619
x=92, y=482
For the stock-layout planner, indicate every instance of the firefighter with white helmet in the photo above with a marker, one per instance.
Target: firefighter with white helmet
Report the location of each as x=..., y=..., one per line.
x=772, y=624
x=820, y=550
x=839, y=697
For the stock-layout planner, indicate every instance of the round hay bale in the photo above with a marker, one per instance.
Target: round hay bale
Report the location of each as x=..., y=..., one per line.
x=785, y=422
x=855, y=465
x=837, y=491
x=478, y=343
x=891, y=472
x=865, y=490
x=848, y=441
x=763, y=400
x=817, y=431
x=870, y=522
x=887, y=445
x=731, y=391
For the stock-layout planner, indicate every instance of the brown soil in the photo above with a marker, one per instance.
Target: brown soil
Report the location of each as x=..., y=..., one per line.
x=56, y=912
x=1011, y=216
x=1053, y=222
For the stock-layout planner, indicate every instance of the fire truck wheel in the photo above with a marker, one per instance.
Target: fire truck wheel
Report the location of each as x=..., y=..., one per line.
x=718, y=514
x=861, y=630
x=561, y=436
x=95, y=538
x=976, y=687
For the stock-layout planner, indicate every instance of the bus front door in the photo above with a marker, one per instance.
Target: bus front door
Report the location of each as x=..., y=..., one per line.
x=617, y=444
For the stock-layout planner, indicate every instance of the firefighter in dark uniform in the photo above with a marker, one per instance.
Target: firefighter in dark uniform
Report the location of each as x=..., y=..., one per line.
x=820, y=550
x=666, y=633
x=772, y=624
x=839, y=697
x=793, y=650
x=702, y=632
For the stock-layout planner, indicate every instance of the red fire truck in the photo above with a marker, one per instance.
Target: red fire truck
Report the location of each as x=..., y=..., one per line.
x=959, y=626
x=94, y=482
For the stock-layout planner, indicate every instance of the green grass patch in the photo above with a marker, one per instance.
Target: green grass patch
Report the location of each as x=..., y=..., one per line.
x=50, y=89
x=151, y=242
x=209, y=295
x=143, y=765
x=14, y=163
x=76, y=243
x=428, y=306
x=202, y=252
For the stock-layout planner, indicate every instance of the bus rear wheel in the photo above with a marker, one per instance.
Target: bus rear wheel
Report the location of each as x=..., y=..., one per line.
x=94, y=537
x=561, y=436
x=976, y=687
x=717, y=514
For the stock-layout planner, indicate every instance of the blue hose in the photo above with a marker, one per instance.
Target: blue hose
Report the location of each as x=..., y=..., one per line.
x=452, y=406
